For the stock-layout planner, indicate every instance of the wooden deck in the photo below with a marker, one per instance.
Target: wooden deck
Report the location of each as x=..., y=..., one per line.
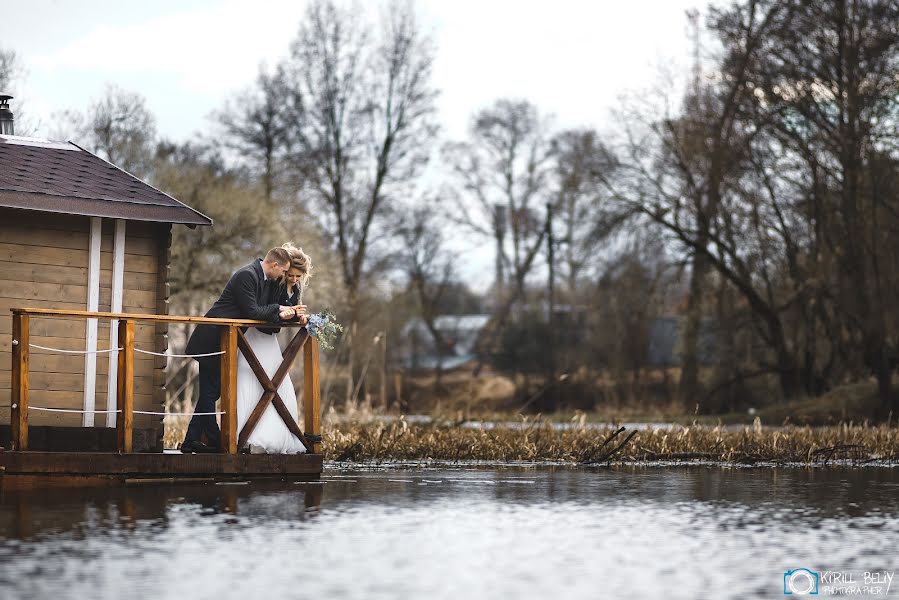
x=73, y=456
x=106, y=468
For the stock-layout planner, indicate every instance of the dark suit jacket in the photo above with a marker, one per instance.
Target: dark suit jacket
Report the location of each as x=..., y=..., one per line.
x=284, y=299
x=246, y=296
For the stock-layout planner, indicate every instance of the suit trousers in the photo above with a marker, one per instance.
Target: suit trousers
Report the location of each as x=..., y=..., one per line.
x=210, y=390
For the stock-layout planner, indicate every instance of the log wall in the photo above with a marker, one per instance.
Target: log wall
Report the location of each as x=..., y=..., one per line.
x=44, y=264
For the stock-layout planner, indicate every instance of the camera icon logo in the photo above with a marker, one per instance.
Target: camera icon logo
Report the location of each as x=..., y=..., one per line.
x=801, y=582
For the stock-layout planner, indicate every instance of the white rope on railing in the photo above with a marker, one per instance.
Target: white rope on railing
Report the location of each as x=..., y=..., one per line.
x=69, y=410
x=172, y=414
x=74, y=351
x=179, y=355
x=219, y=353
x=137, y=412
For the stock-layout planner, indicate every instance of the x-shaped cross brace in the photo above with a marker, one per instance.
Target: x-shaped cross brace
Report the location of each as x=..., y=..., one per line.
x=270, y=387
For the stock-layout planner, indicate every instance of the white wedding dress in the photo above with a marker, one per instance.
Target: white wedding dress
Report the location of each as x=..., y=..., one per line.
x=271, y=435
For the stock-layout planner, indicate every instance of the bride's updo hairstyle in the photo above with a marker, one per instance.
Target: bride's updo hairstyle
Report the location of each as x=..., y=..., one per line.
x=299, y=260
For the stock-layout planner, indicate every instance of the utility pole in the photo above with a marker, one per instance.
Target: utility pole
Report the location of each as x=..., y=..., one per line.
x=693, y=18
x=499, y=232
x=551, y=260
x=551, y=291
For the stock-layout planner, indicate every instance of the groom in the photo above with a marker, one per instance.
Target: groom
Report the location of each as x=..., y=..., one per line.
x=251, y=293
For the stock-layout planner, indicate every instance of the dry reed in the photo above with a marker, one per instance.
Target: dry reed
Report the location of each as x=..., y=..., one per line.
x=373, y=440
x=538, y=440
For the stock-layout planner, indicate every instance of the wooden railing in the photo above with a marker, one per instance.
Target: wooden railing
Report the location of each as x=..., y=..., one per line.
x=232, y=340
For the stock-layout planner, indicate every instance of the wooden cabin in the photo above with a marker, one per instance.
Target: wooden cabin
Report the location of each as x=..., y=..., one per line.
x=84, y=266
x=78, y=233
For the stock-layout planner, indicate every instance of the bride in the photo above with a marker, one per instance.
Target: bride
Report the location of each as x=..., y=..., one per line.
x=271, y=435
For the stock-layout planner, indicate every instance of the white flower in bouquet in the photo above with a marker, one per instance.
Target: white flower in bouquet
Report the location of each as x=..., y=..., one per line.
x=324, y=327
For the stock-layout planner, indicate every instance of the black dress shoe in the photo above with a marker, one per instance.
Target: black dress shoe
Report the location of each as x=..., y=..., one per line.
x=197, y=447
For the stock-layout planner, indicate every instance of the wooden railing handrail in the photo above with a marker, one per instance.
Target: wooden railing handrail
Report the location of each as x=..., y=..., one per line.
x=84, y=314
x=230, y=334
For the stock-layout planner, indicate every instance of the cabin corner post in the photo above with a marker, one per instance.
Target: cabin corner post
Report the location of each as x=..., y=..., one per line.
x=312, y=393
x=19, y=397
x=228, y=404
x=125, y=387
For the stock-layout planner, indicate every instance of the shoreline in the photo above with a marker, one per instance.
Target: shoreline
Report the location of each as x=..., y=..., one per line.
x=542, y=441
x=391, y=465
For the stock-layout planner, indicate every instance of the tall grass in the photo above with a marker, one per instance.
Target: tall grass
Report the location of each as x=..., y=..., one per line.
x=536, y=439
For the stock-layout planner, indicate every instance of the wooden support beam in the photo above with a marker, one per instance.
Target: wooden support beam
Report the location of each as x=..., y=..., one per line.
x=19, y=396
x=125, y=387
x=269, y=385
x=312, y=393
x=285, y=415
x=229, y=389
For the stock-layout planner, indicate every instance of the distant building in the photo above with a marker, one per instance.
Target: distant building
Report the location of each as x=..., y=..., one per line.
x=666, y=342
x=459, y=332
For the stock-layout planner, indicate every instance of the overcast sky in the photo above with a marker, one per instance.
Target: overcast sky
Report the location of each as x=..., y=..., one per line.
x=572, y=58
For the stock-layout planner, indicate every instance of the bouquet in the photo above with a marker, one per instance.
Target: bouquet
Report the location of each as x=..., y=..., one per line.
x=324, y=327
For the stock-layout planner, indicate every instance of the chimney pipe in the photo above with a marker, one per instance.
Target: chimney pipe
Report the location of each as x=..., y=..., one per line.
x=6, y=120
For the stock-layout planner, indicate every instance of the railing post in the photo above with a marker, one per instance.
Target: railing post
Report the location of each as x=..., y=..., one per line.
x=125, y=387
x=228, y=401
x=312, y=393
x=19, y=413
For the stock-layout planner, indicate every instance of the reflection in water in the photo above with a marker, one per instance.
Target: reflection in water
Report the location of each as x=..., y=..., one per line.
x=688, y=532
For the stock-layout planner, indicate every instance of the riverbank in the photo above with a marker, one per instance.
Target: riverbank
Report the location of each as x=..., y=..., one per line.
x=541, y=440
x=368, y=437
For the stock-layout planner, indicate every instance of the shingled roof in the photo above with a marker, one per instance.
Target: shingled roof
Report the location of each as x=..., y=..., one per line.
x=61, y=177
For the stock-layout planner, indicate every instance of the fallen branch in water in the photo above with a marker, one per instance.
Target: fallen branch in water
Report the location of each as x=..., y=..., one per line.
x=609, y=455
x=829, y=452
x=620, y=446
x=587, y=458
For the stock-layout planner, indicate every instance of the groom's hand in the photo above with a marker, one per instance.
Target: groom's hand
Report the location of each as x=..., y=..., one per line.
x=293, y=312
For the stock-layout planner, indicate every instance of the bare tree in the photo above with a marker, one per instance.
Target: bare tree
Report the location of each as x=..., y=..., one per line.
x=366, y=128
x=12, y=75
x=258, y=125
x=204, y=258
x=581, y=161
x=427, y=265
x=827, y=81
x=10, y=69
x=118, y=126
x=688, y=173
x=502, y=186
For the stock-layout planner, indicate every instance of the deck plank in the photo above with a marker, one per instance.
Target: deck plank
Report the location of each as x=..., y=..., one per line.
x=159, y=465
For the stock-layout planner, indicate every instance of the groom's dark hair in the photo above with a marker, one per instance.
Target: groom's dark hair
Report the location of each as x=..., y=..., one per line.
x=278, y=255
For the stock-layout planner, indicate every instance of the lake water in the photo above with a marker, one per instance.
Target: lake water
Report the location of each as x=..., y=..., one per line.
x=463, y=533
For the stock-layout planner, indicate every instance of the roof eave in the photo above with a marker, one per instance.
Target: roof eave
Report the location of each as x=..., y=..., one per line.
x=92, y=207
